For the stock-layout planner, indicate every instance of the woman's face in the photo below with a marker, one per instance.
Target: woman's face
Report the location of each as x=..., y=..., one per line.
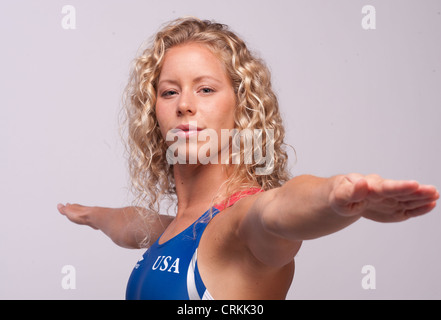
x=194, y=93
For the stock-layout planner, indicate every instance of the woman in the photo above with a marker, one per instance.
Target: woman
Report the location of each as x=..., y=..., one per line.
x=237, y=230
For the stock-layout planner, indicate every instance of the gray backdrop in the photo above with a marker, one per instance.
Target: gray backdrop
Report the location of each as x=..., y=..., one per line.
x=353, y=100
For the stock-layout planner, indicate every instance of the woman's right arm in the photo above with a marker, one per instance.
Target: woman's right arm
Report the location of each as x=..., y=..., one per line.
x=125, y=226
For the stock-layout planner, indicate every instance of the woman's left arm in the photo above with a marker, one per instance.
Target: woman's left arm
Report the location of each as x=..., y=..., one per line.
x=309, y=207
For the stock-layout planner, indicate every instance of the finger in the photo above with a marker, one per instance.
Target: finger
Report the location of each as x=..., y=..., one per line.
x=393, y=188
x=413, y=204
x=410, y=205
x=421, y=210
x=423, y=192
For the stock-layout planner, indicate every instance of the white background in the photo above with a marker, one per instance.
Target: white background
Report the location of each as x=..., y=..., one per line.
x=353, y=100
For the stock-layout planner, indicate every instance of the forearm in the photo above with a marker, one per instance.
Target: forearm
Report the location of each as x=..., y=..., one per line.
x=128, y=227
x=301, y=209
x=124, y=226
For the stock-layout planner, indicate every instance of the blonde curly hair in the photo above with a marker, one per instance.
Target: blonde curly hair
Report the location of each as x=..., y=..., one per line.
x=257, y=108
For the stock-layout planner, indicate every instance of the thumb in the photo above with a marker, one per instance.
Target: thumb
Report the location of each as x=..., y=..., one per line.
x=360, y=190
x=61, y=208
x=350, y=195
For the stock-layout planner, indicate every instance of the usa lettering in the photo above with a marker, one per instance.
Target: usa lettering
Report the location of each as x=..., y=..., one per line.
x=163, y=263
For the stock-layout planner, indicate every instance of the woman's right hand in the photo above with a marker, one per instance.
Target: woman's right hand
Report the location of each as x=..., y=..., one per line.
x=127, y=226
x=78, y=214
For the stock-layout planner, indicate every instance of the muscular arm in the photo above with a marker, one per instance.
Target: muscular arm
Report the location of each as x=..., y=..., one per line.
x=308, y=207
x=127, y=227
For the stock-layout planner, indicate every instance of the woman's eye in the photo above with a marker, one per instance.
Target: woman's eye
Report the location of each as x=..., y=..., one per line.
x=168, y=93
x=207, y=90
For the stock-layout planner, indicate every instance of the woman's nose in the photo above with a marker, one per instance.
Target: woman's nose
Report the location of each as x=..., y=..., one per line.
x=186, y=104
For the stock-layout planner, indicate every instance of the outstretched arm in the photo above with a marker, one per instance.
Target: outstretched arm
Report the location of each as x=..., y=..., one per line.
x=308, y=207
x=127, y=227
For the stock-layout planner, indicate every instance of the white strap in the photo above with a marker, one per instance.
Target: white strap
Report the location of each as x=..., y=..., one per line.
x=193, y=293
x=207, y=295
x=191, y=283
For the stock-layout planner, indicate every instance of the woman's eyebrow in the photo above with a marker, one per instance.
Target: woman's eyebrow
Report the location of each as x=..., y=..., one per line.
x=195, y=80
x=168, y=81
x=205, y=77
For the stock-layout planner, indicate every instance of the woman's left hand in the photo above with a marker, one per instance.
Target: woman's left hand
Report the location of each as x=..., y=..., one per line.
x=380, y=199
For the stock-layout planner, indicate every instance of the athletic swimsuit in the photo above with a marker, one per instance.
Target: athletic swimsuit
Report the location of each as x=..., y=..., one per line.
x=169, y=271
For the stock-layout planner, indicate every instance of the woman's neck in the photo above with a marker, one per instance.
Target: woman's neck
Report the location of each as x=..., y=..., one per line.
x=196, y=185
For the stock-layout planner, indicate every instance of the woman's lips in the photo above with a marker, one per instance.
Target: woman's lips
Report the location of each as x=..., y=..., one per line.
x=186, y=130
x=186, y=133
x=188, y=126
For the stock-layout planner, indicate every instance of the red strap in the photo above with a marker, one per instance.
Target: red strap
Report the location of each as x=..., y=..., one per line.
x=237, y=196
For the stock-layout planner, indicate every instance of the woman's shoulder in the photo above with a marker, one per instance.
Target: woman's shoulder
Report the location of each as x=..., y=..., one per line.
x=230, y=217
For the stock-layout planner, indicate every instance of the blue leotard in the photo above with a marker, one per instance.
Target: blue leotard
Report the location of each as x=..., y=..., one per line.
x=169, y=271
